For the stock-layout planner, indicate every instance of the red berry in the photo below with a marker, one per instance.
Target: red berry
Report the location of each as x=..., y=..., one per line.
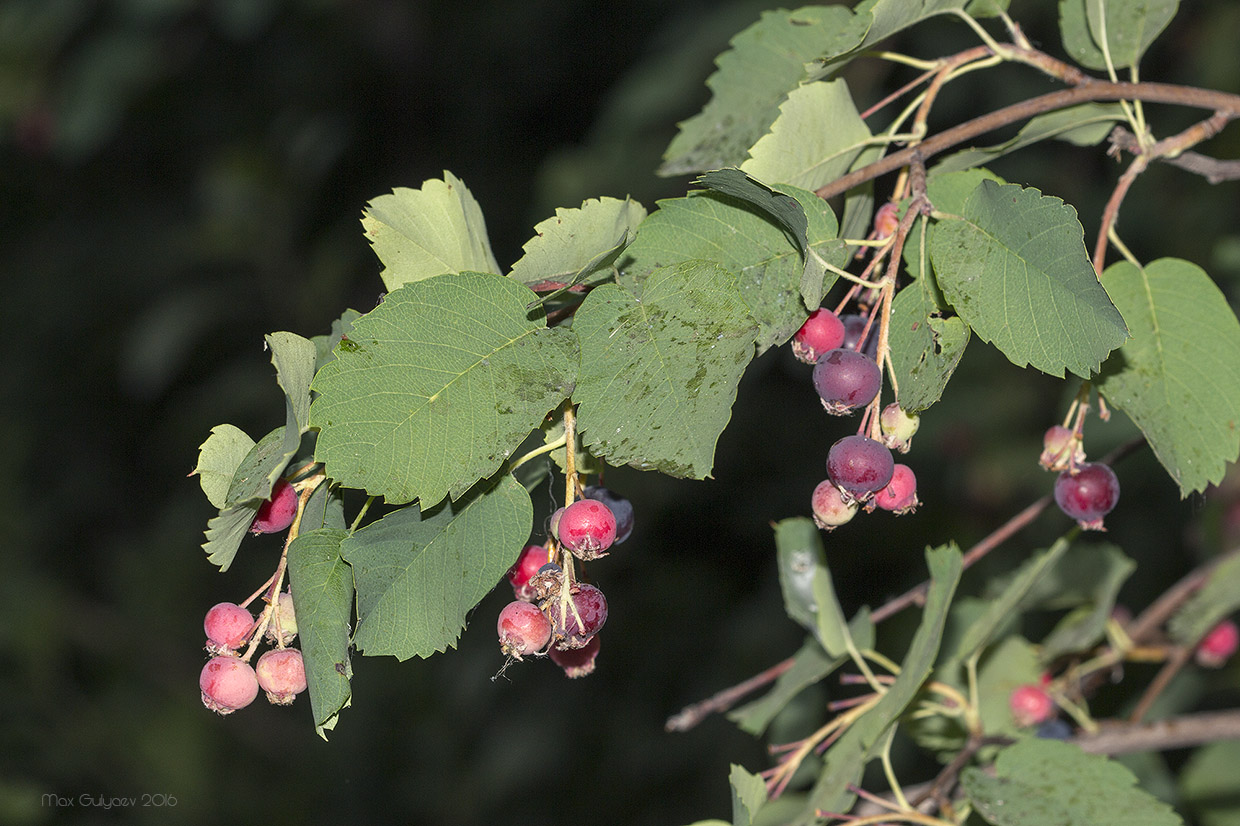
x=523, y=570
x=587, y=528
x=846, y=380
x=1030, y=705
x=829, y=508
x=282, y=674
x=278, y=512
x=577, y=662
x=1088, y=495
x=227, y=684
x=886, y=220
x=574, y=622
x=900, y=494
x=523, y=629
x=821, y=332
x=1218, y=646
x=859, y=467
x=621, y=508
x=1061, y=449
x=227, y=626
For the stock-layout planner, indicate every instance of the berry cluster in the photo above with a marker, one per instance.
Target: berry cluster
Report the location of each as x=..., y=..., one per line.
x=1085, y=491
x=554, y=612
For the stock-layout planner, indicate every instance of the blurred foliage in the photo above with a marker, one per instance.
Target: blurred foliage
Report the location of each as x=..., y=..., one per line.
x=180, y=177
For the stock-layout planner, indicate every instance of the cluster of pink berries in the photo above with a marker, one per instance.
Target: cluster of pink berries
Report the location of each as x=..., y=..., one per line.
x=554, y=613
x=1085, y=491
x=860, y=470
x=227, y=681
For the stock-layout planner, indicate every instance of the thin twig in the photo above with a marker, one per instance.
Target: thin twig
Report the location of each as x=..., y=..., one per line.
x=690, y=716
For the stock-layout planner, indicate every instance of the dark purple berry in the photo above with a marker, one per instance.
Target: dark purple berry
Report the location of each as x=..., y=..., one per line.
x=860, y=467
x=846, y=380
x=620, y=507
x=821, y=332
x=1088, y=495
x=1054, y=729
x=575, y=620
x=576, y=662
x=854, y=324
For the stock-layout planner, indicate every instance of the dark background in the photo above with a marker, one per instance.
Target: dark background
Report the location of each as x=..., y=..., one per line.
x=181, y=177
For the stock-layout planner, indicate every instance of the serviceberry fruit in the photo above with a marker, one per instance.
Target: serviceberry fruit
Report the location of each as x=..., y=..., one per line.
x=1030, y=705
x=854, y=324
x=620, y=507
x=523, y=629
x=228, y=626
x=859, y=467
x=1218, y=646
x=821, y=332
x=281, y=673
x=577, y=662
x=587, y=528
x=585, y=602
x=278, y=512
x=1087, y=495
x=898, y=427
x=900, y=494
x=227, y=684
x=1054, y=729
x=523, y=570
x=829, y=508
x=846, y=380
x=283, y=617
x=548, y=581
x=1061, y=449
x=886, y=220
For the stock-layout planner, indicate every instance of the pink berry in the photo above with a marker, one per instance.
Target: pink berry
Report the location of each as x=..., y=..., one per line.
x=282, y=674
x=1087, y=495
x=523, y=629
x=1030, y=705
x=278, y=512
x=1218, y=646
x=587, y=528
x=859, y=467
x=846, y=380
x=898, y=427
x=283, y=621
x=574, y=622
x=227, y=684
x=523, y=570
x=886, y=220
x=228, y=626
x=821, y=332
x=577, y=662
x=1061, y=449
x=900, y=494
x=829, y=508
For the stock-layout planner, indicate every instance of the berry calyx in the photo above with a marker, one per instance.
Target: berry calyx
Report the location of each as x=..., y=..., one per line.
x=227, y=684
x=281, y=673
x=1061, y=449
x=227, y=626
x=859, y=467
x=900, y=494
x=1218, y=646
x=1030, y=705
x=829, y=508
x=282, y=629
x=620, y=507
x=846, y=380
x=548, y=581
x=523, y=629
x=821, y=332
x=1087, y=495
x=575, y=620
x=577, y=662
x=524, y=569
x=587, y=528
x=898, y=427
x=278, y=512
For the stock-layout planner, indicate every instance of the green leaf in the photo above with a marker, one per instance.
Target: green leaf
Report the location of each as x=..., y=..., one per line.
x=218, y=459
x=322, y=587
x=1178, y=377
x=575, y=244
x=1015, y=269
x=325, y=345
x=225, y=532
x=748, y=795
x=809, y=665
x=437, y=386
x=799, y=556
x=660, y=367
x=419, y=573
x=1012, y=663
x=420, y=233
x=1038, y=782
x=815, y=139
x=925, y=345
x=765, y=63
x=1085, y=626
x=1084, y=125
x=1207, y=784
x=769, y=267
x=1125, y=27
x=260, y=468
x=294, y=359
x=949, y=191
x=1218, y=598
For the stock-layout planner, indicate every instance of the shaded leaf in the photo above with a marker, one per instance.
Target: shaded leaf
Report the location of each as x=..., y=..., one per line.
x=261, y=467
x=1125, y=27
x=294, y=359
x=1013, y=662
x=1086, y=124
x=218, y=459
x=748, y=795
x=575, y=244
x=1085, y=626
x=925, y=344
x=1217, y=599
x=325, y=345
x=225, y=532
